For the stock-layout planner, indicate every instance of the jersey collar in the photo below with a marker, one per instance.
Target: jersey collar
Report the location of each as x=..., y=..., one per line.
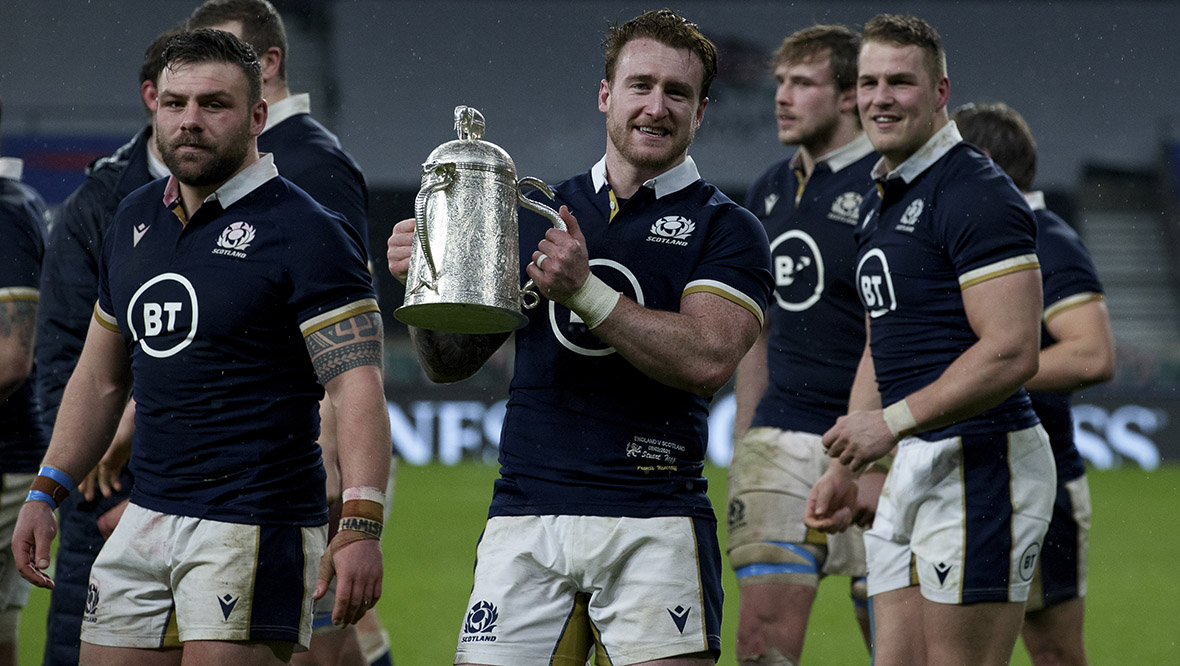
x=842, y=157
x=245, y=182
x=935, y=147
x=283, y=109
x=673, y=180
x=1035, y=199
x=11, y=167
x=156, y=168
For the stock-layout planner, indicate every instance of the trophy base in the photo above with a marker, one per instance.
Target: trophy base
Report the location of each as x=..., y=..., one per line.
x=469, y=318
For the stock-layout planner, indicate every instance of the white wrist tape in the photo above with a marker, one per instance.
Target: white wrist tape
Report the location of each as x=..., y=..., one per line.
x=594, y=301
x=900, y=420
x=369, y=493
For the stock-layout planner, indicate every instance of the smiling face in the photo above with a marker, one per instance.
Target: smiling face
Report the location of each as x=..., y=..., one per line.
x=808, y=105
x=652, y=106
x=900, y=104
x=204, y=122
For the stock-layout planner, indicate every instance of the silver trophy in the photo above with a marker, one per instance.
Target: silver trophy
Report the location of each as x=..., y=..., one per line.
x=464, y=274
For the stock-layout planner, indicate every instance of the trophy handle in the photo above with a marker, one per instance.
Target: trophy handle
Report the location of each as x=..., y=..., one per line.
x=435, y=177
x=528, y=293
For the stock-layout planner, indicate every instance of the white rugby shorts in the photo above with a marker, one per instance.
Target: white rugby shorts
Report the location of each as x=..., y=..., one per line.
x=770, y=477
x=14, y=590
x=161, y=580
x=548, y=587
x=964, y=517
x=1061, y=569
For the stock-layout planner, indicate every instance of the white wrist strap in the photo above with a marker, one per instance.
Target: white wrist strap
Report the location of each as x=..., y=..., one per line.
x=369, y=493
x=900, y=420
x=594, y=301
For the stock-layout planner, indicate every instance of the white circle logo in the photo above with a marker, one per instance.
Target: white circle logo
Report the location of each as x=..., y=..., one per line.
x=798, y=271
x=161, y=312
x=573, y=334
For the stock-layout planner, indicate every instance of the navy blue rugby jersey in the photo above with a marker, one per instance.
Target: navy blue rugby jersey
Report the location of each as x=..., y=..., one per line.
x=23, y=439
x=310, y=156
x=586, y=433
x=817, y=325
x=1069, y=279
x=214, y=314
x=946, y=219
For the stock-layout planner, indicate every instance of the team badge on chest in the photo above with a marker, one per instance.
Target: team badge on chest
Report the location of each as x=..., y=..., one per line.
x=909, y=219
x=845, y=208
x=672, y=229
x=234, y=240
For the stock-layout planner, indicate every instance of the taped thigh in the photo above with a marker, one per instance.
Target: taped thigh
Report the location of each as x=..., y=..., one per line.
x=778, y=562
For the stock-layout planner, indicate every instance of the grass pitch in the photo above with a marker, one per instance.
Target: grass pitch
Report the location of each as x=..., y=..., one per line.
x=1133, y=604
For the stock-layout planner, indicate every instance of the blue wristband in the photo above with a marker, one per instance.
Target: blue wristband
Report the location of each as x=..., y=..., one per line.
x=59, y=476
x=41, y=496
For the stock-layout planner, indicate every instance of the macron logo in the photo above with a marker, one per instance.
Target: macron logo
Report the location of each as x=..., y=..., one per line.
x=227, y=605
x=138, y=232
x=679, y=616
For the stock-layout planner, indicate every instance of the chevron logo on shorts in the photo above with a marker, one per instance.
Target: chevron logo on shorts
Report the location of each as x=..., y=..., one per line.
x=942, y=569
x=227, y=605
x=680, y=616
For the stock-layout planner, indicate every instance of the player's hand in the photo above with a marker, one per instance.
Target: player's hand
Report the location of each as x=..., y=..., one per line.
x=565, y=263
x=35, y=530
x=832, y=502
x=859, y=438
x=354, y=558
x=868, y=494
x=398, y=253
x=108, y=521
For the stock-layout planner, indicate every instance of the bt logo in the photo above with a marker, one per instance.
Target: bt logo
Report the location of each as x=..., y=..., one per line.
x=161, y=310
x=875, y=284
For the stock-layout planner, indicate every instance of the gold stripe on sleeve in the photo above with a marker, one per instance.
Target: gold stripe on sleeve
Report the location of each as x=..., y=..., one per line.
x=338, y=315
x=105, y=320
x=1070, y=303
x=726, y=292
x=20, y=294
x=1024, y=262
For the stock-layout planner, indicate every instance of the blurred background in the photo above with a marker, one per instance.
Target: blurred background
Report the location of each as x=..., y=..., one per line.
x=1095, y=80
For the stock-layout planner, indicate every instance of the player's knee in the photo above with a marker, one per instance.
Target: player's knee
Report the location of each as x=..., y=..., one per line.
x=777, y=562
x=772, y=658
x=10, y=624
x=860, y=592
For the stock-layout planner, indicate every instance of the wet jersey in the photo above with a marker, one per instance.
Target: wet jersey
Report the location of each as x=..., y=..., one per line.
x=586, y=433
x=23, y=439
x=214, y=313
x=310, y=156
x=817, y=325
x=1069, y=279
x=944, y=220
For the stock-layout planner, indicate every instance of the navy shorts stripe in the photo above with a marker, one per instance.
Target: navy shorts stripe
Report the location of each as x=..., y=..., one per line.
x=987, y=480
x=278, y=584
x=1059, y=557
x=709, y=557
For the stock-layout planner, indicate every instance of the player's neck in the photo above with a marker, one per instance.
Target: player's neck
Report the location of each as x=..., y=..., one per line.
x=847, y=131
x=275, y=91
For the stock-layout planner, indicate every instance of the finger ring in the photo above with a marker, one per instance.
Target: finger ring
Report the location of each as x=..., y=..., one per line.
x=541, y=259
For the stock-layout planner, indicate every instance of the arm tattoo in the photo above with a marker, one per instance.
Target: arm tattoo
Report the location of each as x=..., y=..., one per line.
x=348, y=344
x=18, y=324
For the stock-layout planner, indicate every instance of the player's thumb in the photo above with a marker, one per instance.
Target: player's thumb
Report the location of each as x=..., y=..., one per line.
x=571, y=223
x=325, y=575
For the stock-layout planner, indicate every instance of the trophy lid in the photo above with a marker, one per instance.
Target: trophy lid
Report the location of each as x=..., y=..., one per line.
x=470, y=150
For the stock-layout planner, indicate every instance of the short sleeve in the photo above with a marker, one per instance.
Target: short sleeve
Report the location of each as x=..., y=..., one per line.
x=736, y=262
